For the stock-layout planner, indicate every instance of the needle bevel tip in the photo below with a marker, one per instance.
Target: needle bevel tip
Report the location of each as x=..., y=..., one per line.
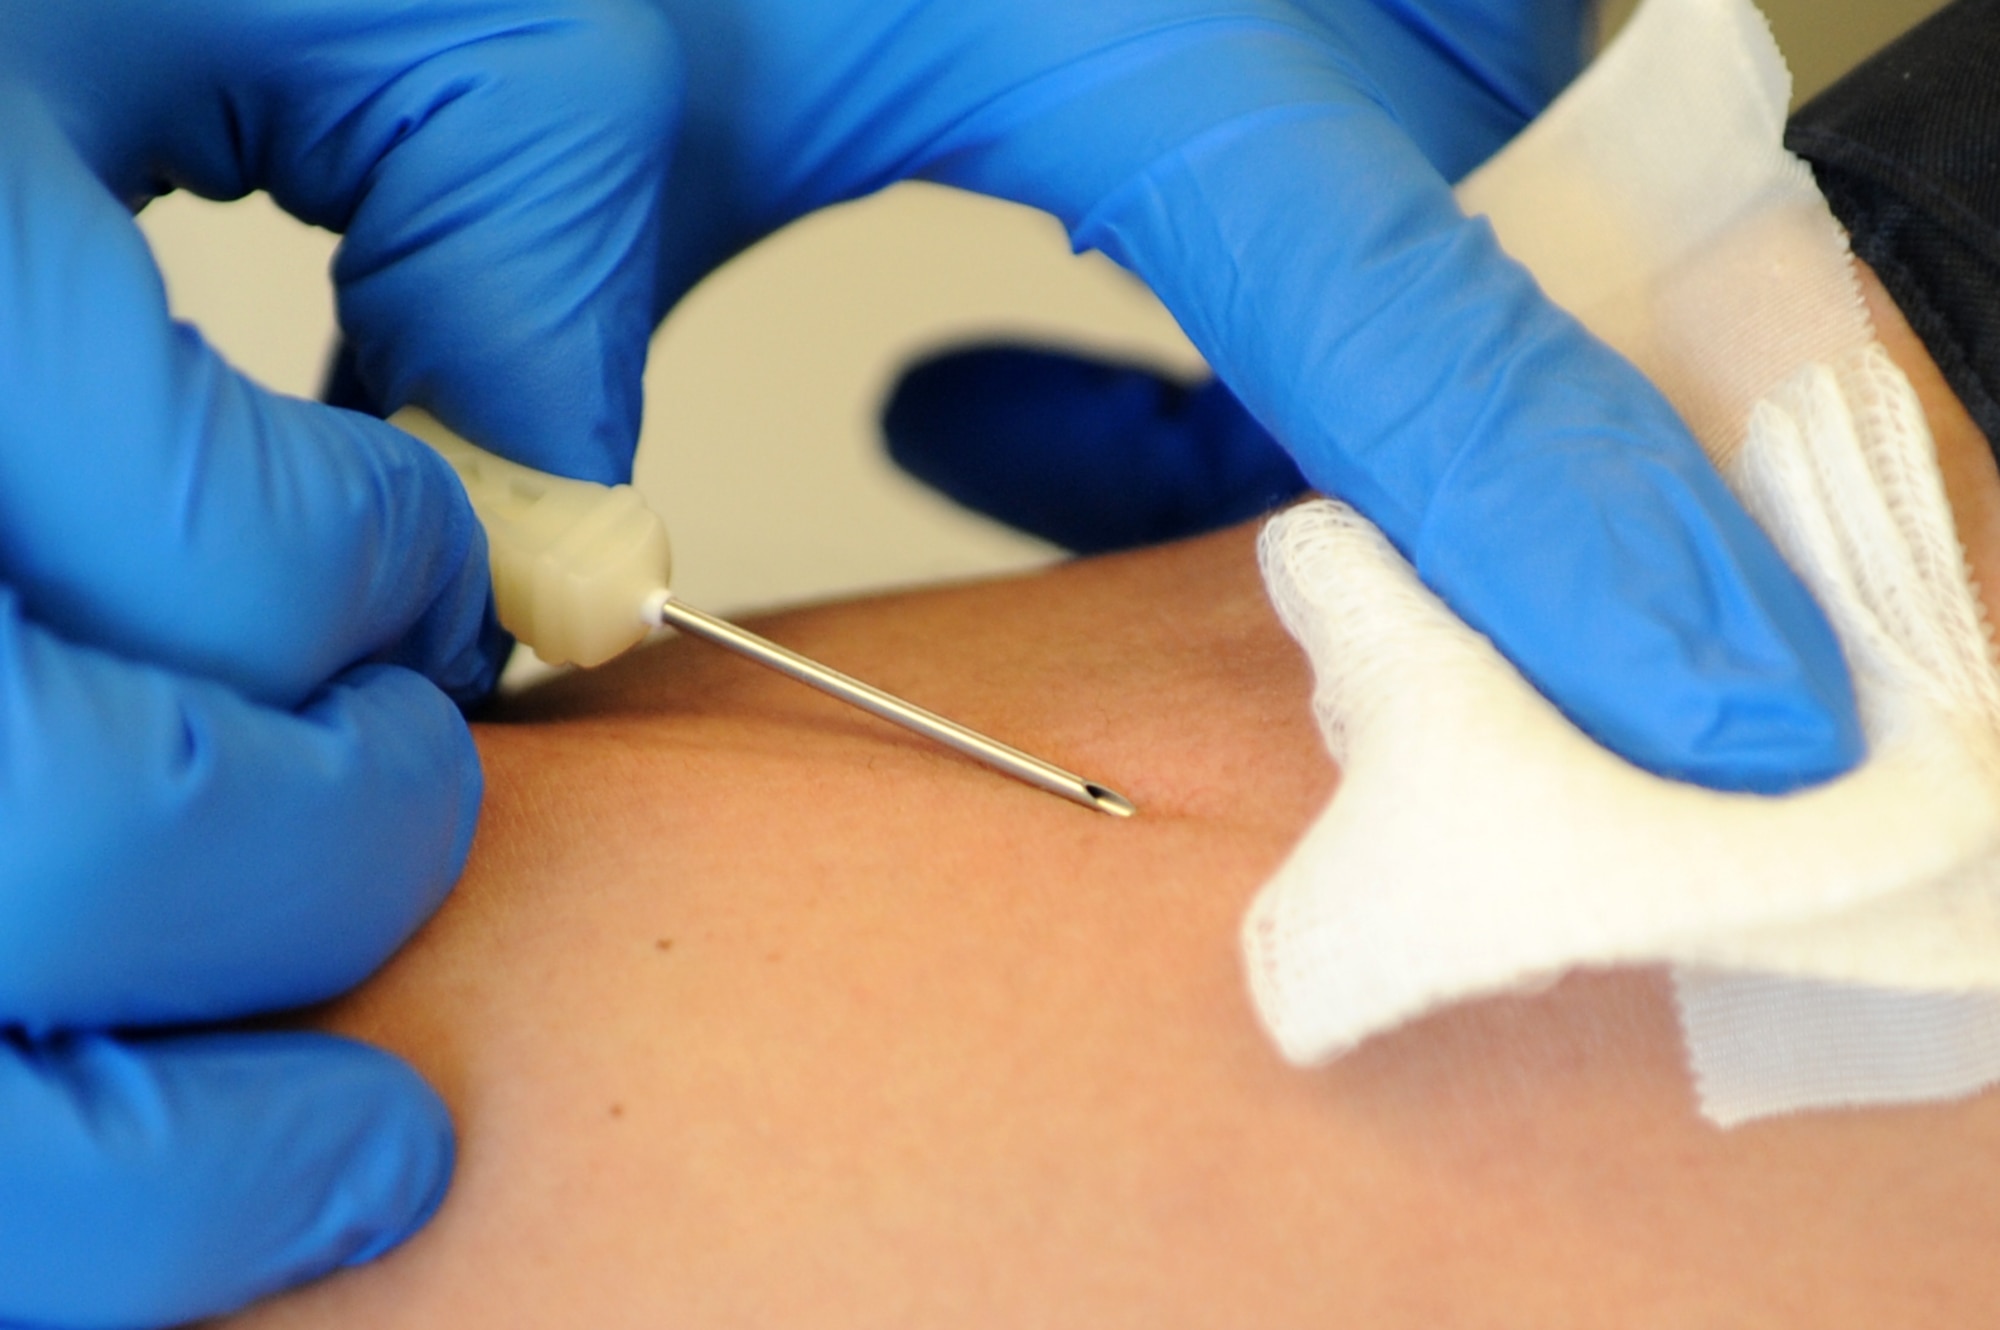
x=1110, y=801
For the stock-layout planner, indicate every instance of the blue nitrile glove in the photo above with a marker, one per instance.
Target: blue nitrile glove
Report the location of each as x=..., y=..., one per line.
x=1090, y=455
x=232, y=777
x=1277, y=172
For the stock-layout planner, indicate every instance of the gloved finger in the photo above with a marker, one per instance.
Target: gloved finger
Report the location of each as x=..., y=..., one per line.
x=156, y=503
x=1537, y=481
x=498, y=169
x=1539, y=484
x=1089, y=455
x=151, y=1184
x=178, y=854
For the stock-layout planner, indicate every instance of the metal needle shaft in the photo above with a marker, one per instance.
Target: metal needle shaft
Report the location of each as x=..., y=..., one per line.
x=1043, y=775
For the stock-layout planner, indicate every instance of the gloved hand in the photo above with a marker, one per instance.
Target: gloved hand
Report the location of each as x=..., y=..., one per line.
x=232, y=778
x=1277, y=173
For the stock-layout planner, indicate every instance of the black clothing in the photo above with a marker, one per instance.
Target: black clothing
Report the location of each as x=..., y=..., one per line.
x=1906, y=149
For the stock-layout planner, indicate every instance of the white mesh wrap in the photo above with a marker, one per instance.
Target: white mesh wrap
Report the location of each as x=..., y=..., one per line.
x=1836, y=946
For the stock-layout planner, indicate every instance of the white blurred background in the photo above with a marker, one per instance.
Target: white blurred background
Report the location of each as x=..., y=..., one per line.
x=760, y=444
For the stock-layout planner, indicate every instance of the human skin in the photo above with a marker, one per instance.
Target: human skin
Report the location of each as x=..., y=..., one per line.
x=754, y=1012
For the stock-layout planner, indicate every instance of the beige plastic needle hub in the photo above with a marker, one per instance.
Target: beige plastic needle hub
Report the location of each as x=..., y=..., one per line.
x=580, y=574
x=574, y=563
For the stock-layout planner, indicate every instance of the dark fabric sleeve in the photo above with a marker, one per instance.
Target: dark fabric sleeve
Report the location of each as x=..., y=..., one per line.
x=1906, y=149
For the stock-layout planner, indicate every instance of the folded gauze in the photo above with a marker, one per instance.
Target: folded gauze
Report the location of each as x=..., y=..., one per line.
x=1835, y=946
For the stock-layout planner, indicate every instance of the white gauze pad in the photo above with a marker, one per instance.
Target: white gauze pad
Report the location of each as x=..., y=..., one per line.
x=1836, y=946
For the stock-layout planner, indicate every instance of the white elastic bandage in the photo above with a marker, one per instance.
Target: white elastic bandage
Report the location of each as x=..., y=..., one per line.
x=1836, y=946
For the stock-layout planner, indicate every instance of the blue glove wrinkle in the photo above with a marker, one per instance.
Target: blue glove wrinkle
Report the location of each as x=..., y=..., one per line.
x=218, y=1168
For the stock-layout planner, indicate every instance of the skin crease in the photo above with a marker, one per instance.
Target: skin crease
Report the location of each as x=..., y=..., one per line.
x=754, y=1012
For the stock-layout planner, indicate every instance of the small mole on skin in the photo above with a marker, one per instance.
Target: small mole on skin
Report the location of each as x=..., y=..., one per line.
x=618, y=1110
x=664, y=944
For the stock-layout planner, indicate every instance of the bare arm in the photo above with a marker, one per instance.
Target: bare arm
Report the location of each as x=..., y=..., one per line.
x=757, y=1013
x=829, y=890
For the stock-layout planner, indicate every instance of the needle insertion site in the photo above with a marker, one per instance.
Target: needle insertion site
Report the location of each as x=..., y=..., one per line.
x=580, y=573
x=678, y=614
